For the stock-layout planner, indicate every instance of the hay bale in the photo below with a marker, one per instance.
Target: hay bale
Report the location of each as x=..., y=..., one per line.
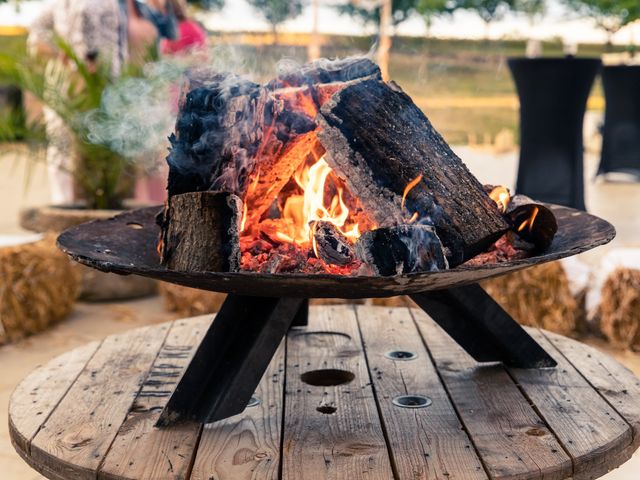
x=38, y=287
x=95, y=286
x=538, y=297
x=336, y=301
x=402, y=301
x=190, y=302
x=620, y=308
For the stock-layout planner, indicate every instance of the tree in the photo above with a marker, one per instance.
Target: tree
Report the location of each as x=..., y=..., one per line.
x=431, y=9
x=277, y=11
x=609, y=15
x=531, y=8
x=488, y=10
x=369, y=12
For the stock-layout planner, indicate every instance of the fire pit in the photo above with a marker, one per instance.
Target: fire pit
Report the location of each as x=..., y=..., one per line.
x=324, y=182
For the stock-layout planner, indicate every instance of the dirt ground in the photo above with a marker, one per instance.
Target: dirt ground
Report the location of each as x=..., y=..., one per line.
x=94, y=321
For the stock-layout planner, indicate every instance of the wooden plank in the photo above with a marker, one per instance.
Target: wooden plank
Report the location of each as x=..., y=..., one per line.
x=77, y=435
x=40, y=392
x=427, y=443
x=614, y=382
x=512, y=440
x=579, y=417
x=247, y=446
x=140, y=450
x=346, y=441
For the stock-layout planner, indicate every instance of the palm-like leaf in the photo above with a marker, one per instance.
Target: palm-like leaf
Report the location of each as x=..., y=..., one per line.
x=70, y=88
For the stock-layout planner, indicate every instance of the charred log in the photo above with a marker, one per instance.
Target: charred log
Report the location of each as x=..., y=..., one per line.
x=234, y=135
x=379, y=141
x=331, y=245
x=533, y=222
x=327, y=71
x=200, y=232
x=402, y=249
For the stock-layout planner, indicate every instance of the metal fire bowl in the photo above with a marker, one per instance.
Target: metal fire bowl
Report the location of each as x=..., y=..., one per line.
x=126, y=244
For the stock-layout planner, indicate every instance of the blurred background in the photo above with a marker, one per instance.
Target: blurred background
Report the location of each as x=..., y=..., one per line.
x=88, y=95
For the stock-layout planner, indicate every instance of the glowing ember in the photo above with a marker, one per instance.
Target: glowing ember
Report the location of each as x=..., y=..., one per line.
x=316, y=195
x=528, y=223
x=501, y=196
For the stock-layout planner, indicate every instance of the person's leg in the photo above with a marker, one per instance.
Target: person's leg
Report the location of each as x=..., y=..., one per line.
x=60, y=159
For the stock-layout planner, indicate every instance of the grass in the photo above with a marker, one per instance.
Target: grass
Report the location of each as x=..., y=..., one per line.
x=464, y=86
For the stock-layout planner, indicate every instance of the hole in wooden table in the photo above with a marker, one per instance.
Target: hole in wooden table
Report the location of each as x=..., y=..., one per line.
x=402, y=355
x=326, y=409
x=412, y=401
x=327, y=377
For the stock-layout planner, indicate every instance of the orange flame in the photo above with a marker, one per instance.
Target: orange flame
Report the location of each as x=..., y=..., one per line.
x=301, y=212
x=501, y=196
x=410, y=187
x=529, y=221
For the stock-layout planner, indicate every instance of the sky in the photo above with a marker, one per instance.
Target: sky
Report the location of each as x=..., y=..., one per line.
x=238, y=15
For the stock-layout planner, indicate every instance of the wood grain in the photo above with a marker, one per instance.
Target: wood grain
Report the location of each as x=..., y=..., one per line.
x=347, y=441
x=380, y=142
x=427, y=443
x=31, y=404
x=579, y=417
x=614, y=382
x=101, y=401
x=200, y=232
x=77, y=435
x=140, y=450
x=247, y=446
x=512, y=440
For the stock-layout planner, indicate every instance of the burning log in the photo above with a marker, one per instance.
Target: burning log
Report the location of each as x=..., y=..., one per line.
x=402, y=249
x=380, y=142
x=327, y=71
x=234, y=135
x=331, y=245
x=533, y=222
x=201, y=232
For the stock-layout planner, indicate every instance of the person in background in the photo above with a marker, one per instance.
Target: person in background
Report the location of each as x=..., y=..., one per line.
x=111, y=32
x=191, y=36
x=151, y=187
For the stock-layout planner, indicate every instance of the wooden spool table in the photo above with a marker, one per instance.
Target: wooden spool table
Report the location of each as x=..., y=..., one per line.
x=333, y=404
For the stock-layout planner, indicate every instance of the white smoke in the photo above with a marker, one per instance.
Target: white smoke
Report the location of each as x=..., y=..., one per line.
x=137, y=114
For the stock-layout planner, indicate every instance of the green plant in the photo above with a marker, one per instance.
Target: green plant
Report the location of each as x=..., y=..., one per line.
x=71, y=88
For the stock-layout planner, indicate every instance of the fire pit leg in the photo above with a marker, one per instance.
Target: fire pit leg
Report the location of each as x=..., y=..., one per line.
x=488, y=333
x=302, y=317
x=231, y=358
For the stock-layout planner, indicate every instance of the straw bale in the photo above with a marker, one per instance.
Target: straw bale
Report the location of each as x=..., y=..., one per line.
x=38, y=287
x=620, y=308
x=190, y=302
x=402, y=301
x=539, y=297
x=336, y=301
